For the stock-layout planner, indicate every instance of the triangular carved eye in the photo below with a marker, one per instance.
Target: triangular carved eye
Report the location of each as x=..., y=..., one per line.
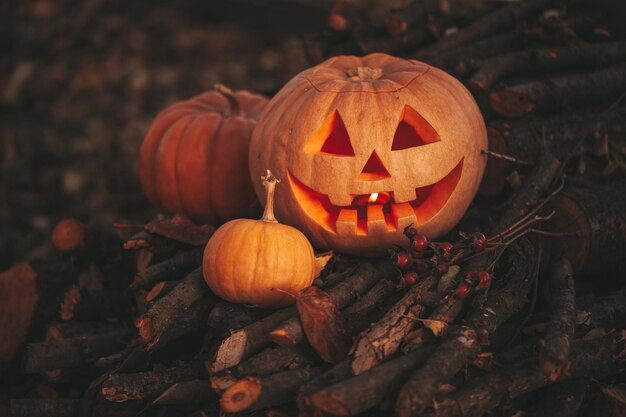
x=331, y=138
x=413, y=130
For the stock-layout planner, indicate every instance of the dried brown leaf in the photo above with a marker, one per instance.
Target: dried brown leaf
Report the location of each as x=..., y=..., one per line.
x=322, y=324
x=438, y=327
x=321, y=260
x=181, y=229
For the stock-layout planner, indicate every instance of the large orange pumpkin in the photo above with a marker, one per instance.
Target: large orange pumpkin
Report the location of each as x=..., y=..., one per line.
x=196, y=153
x=368, y=146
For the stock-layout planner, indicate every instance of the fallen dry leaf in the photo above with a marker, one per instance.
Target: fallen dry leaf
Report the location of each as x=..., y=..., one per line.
x=181, y=229
x=322, y=324
x=438, y=327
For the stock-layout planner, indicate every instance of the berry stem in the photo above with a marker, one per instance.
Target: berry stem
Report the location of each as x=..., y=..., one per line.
x=234, y=109
x=269, y=182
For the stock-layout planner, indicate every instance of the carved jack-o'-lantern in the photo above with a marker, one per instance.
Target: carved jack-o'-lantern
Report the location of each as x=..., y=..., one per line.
x=367, y=146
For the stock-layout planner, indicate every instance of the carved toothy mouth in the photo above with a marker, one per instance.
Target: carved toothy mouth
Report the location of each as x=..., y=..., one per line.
x=385, y=215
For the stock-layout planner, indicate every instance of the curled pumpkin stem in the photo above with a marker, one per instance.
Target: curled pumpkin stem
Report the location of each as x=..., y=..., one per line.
x=233, y=103
x=269, y=182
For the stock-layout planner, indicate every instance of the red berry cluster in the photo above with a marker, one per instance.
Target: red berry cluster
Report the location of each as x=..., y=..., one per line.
x=473, y=281
x=423, y=258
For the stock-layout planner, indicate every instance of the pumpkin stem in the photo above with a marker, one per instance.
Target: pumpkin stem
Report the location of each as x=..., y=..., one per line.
x=233, y=103
x=269, y=182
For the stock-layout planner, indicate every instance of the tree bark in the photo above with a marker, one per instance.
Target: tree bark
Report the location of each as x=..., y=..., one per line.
x=463, y=345
x=560, y=92
x=460, y=60
x=76, y=351
x=174, y=267
x=579, y=56
x=500, y=19
x=362, y=392
x=146, y=385
x=596, y=358
x=229, y=316
x=183, y=310
x=44, y=407
x=597, y=215
x=244, y=342
x=269, y=361
x=554, y=356
x=383, y=338
x=195, y=391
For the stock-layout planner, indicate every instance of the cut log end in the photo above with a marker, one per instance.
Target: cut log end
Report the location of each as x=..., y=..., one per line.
x=329, y=403
x=282, y=338
x=510, y=103
x=112, y=394
x=241, y=395
x=144, y=325
x=231, y=351
x=553, y=368
x=156, y=291
x=68, y=235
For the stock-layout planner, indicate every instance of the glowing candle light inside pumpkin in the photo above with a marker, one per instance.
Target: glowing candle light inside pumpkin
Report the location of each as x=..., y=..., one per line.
x=379, y=198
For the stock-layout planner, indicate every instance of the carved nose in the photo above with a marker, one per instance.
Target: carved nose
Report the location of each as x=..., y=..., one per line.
x=374, y=169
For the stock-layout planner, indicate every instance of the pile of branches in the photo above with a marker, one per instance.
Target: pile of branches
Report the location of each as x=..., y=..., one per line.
x=435, y=329
x=497, y=320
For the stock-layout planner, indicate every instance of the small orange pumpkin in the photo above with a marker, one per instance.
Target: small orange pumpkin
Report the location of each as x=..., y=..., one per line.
x=259, y=262
x=195, y=154
x=368, y=146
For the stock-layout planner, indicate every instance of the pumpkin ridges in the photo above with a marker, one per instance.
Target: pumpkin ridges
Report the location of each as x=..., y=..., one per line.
x=262, y=243
x=147, y=152
x=278, y=261
x=465, y=102
x=236, y=235
x=165, y=164
x=151, y=160
x=191, y=162
x=277, y=149
x=149, y=148
x=292, y=268
x=234, y=183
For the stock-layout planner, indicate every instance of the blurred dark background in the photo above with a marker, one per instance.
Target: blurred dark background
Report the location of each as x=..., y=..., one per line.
x=81, y=80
